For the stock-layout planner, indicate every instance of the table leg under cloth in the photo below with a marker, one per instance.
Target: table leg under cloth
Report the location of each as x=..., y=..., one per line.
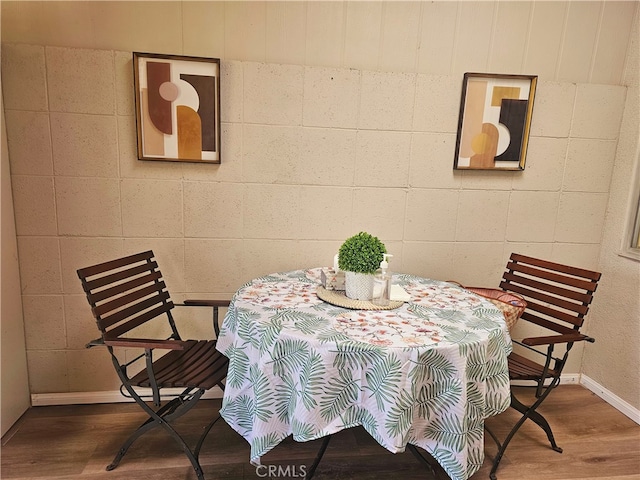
x=428, y=461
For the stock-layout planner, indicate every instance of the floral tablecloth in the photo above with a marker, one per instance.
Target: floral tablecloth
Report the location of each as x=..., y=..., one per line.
x=427, y=373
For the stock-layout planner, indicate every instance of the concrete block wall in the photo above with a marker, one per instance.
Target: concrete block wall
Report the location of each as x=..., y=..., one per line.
x=353, y=131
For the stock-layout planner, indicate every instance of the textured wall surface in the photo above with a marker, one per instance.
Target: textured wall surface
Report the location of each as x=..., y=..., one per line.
x=336, y=117
x=613, y=360
x=15, y=399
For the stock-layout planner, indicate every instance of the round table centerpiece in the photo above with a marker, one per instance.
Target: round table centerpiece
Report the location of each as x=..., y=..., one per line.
x=359, y=257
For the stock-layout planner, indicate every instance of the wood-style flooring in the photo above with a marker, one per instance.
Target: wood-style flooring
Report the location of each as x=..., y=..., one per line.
x=77, y=442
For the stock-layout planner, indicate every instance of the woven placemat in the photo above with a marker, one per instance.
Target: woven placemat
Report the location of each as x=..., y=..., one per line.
x=339, y=298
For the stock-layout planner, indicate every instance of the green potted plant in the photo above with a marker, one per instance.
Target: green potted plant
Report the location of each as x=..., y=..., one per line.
x=359, y=257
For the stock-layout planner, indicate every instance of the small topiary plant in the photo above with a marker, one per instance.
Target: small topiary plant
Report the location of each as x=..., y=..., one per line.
x=361, y=253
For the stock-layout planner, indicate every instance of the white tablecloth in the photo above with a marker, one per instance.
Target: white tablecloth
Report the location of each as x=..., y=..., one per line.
x=427, y=373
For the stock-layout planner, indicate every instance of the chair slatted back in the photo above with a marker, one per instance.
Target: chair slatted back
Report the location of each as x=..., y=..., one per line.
x=125, y=293
x=554, y=292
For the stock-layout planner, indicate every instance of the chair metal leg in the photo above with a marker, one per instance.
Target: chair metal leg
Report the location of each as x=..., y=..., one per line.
x=323, y=448
x=196, y=451
x=149, y=424
x=527, y=413
x=538, y=420
x=162, y=418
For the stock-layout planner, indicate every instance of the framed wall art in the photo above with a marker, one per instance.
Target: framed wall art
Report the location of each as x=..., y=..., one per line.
x=494, y=122
x=177, y=107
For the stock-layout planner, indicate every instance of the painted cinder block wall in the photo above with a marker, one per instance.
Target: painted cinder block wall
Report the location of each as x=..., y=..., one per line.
x=336, y=117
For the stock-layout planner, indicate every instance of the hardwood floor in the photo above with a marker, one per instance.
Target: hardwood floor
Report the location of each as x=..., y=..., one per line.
x=77, y=442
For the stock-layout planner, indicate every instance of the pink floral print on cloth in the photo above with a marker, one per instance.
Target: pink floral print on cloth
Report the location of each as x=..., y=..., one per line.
x=388, y=329
x=281, y=295
x=442, y=296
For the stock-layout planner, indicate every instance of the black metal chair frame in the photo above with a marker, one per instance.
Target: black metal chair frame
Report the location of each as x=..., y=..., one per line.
x=558, y=298
x=126, y=293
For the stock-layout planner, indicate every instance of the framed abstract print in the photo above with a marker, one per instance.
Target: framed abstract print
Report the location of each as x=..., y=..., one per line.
x=177, y=107
x=494, y=122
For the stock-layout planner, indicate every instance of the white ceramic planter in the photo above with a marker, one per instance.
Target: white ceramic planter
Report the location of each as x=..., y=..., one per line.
x=359, y=286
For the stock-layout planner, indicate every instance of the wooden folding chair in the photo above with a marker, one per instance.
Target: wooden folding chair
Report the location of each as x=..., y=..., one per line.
x=558, y=298
x=128, y=294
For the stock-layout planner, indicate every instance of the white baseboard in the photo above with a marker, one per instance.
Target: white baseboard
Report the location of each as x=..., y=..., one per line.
x=114, y=396
x=612, y=399
x=570, y=379
x=565, y=379
x=75, y=398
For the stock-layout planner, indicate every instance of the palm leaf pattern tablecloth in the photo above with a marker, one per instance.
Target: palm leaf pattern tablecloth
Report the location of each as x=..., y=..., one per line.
x=427, y=373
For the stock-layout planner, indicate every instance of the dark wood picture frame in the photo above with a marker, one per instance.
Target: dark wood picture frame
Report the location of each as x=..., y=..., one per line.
x=494, y=122
x=177, y=107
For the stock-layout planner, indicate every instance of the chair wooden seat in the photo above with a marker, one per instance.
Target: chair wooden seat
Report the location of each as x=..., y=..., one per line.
x=558, y=298
x=522, y=368
x=126, y=294
x=199, y=365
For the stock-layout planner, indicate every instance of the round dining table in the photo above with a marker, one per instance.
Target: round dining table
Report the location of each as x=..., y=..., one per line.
x=426, y=373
